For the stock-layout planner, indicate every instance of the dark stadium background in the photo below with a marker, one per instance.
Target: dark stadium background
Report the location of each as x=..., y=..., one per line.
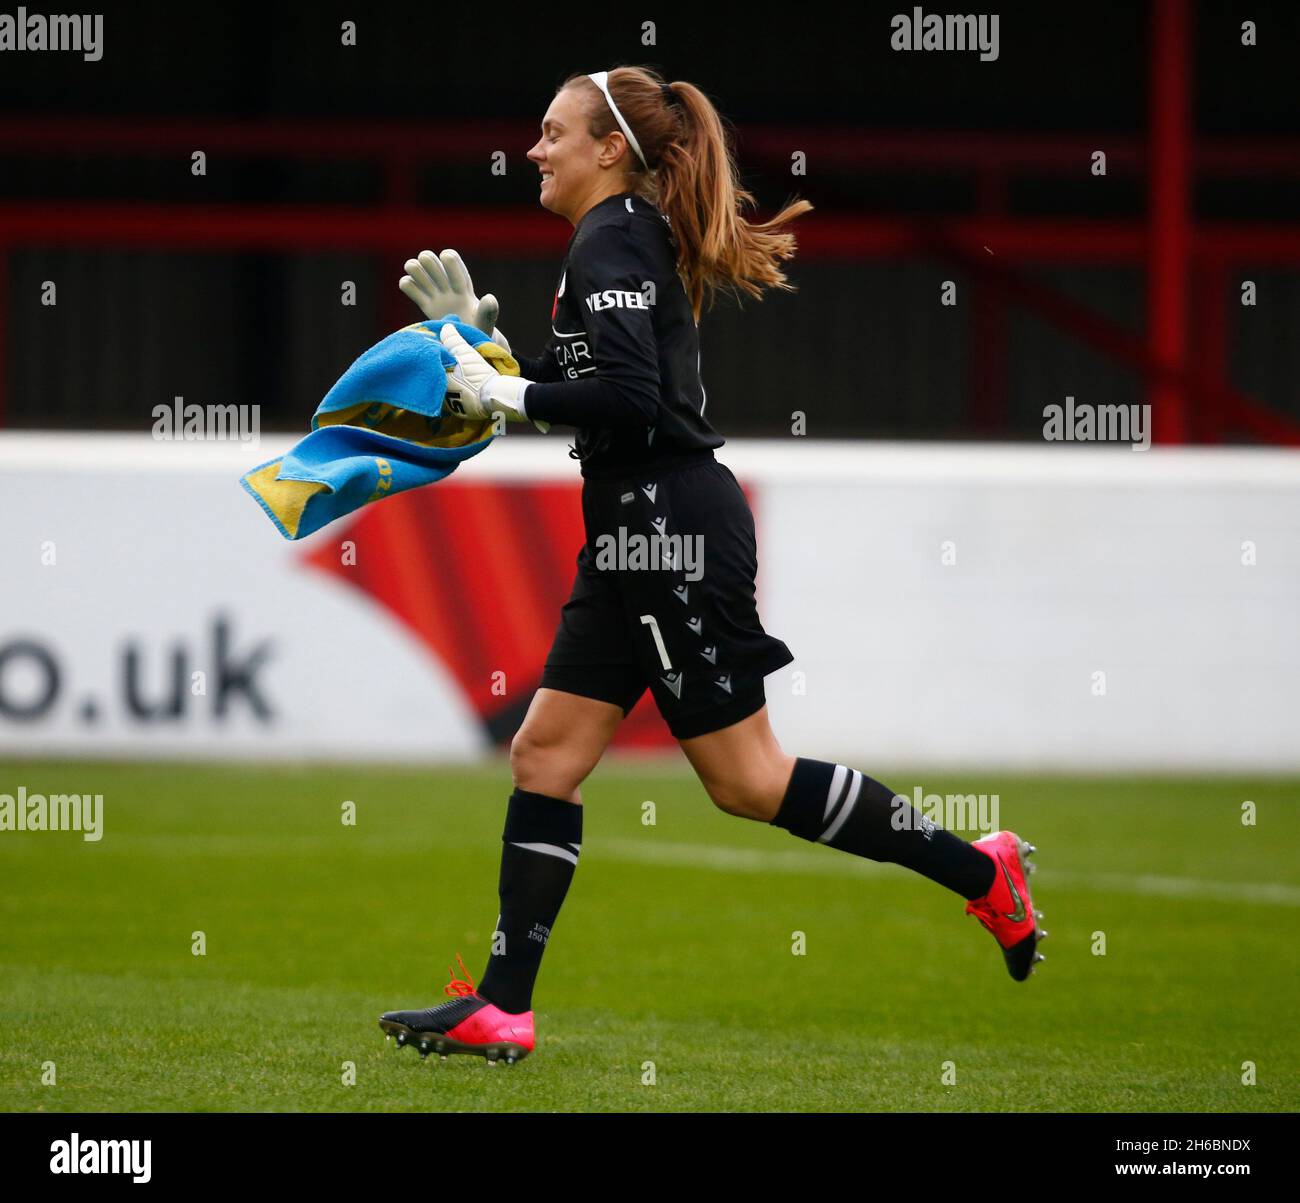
x=328, y=163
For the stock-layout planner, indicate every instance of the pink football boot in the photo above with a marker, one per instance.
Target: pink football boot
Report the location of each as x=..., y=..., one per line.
x=467, y=1024
x=1007, y=910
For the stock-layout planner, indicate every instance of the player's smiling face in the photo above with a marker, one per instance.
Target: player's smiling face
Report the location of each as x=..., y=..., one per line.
x=567, y=156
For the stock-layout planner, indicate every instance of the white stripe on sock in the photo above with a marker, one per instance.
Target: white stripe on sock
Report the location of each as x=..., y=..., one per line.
x=845, y=810
x=548, y=850
x=837, y=781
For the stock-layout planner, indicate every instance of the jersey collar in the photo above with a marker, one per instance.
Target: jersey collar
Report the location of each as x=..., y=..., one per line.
x=616, y=198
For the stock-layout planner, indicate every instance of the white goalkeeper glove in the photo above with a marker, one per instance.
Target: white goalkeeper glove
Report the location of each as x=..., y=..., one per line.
x=440, y=284
x=475, y=389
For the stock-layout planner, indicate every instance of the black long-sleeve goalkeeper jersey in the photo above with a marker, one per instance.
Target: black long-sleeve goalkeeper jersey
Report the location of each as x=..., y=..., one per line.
x=623, y=360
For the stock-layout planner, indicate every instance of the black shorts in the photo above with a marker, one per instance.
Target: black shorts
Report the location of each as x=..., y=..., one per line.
x=664, y=598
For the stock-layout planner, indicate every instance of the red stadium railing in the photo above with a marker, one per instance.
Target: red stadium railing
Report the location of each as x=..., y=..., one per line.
x=1183, y=357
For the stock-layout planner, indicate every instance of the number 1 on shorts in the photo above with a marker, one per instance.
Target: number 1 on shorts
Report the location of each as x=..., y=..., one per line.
x=649, y=620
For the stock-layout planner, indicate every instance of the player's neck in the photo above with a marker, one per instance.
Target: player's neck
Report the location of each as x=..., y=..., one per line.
x=596, y=199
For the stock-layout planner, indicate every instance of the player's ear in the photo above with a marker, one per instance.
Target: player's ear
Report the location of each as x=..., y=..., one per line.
x=607, y=156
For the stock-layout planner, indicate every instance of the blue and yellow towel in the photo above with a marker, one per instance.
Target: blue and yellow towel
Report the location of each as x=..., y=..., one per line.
x=379, y=431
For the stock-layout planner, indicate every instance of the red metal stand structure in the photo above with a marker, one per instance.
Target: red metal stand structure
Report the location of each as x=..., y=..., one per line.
x=1183, y=358
x=1168, y=167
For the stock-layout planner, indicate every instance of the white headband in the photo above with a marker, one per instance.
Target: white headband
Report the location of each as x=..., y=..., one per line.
x=600, y=79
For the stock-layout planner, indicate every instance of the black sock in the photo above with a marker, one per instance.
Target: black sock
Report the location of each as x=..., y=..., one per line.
x=541, y=842
x=835, y=805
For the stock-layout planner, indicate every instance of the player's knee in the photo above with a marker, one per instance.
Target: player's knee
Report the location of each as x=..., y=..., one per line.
x=528, y=756
x=742, y=795
x=725, y=797
x=751, y=790
x=545, y=766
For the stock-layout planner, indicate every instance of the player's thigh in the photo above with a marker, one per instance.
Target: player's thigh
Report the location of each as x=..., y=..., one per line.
x=589, y=683
x=742, y=767
x=560, y=741
x=591, y=653
x=694, y=623
x=580, y=726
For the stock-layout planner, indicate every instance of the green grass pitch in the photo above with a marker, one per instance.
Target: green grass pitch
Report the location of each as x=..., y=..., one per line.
x=670, y=982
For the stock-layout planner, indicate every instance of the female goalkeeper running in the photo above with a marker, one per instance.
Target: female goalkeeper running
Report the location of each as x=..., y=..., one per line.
x=643, y=171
